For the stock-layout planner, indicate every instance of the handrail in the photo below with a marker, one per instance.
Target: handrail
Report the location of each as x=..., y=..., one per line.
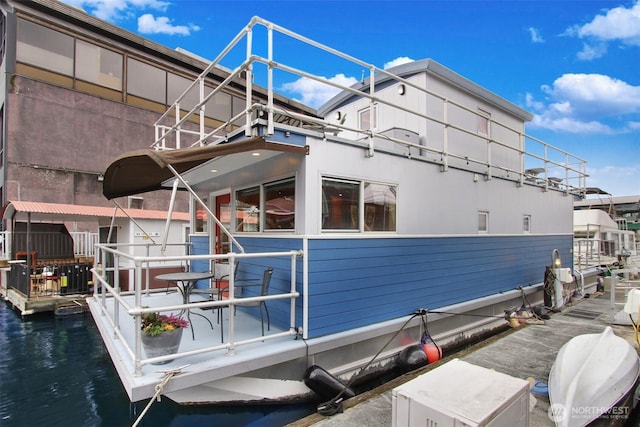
x=570, y=179
x=624, y=283
x=107, y=292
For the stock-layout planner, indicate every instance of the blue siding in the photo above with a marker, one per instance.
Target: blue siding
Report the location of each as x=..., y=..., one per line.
x=200, y=246
x=358, y=282
x=252, y=269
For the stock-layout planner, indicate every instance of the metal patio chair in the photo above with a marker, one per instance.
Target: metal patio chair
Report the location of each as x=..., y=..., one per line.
x=264, y=290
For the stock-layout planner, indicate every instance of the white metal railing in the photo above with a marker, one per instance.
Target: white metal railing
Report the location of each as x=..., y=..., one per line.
x=110, y=293
x=84, y=243
x=5, y=245
x=622, y=280
x=555, y=168
x=589, y=252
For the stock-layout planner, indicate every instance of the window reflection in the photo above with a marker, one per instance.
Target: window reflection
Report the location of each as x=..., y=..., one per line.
x=146, y=81
x=379, y=207
x=202, y=218
x=340, y=205
x=280, y=206
x=248, y=209
x=97, y=65
x=44, y=47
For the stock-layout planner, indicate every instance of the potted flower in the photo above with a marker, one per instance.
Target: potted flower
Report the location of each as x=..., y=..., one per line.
x=161, y=334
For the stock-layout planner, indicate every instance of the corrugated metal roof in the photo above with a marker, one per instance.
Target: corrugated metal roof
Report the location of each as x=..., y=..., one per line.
x=58, y=211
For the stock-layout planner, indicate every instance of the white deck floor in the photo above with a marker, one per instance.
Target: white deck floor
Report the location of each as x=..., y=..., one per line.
x=219, y=363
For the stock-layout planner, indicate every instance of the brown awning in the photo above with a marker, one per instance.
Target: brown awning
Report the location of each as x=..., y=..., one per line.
x=145, y=170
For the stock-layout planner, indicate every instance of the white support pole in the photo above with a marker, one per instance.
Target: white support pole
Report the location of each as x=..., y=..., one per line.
x=249, y=85
x=172, y=202
x=270, y=124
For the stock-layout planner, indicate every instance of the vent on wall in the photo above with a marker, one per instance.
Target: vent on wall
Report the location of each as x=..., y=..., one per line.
x=135, y=202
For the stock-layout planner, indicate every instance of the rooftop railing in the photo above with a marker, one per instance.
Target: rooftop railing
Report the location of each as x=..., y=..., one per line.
x=537, y=163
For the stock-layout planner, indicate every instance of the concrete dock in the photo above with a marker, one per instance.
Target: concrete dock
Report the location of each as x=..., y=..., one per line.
x=524, y=352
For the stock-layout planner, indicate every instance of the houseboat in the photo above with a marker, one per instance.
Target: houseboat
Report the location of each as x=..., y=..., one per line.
x=604, y=237
x=412, y=196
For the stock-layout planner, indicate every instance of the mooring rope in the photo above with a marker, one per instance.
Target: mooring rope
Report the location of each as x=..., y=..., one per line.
x=335, y=405
x=159, y=389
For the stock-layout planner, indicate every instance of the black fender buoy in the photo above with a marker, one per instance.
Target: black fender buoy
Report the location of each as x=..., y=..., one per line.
x=324, y=384
x=412, y=357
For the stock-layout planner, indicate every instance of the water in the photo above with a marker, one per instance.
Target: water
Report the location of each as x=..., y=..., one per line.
x=56, y=371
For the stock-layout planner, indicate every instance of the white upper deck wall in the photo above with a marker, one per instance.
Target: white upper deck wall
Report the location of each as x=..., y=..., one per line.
x=431, y=202
x=447, y=115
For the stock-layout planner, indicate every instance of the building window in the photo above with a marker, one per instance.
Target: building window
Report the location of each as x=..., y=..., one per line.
x=483, y=121
x=483, y=222
x=342, y=205
x=201, y=217
x=176, y=85
x=146, y=81
x=248, y=209
x=95, y=64
x=526, y=223
x=379, y=207
x=280, y=205
x=366, y=120
x=238, y=105
x=219, y=107
x=44, y=47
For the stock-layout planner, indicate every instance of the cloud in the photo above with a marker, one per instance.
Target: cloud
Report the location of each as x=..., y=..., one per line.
x=398, y=61
x=618, y=24
x=115, y=10
x=590, y=52
x=618, y=180
x=586, y=104
x=535, y=35
x=314, y=93
x=148, y=24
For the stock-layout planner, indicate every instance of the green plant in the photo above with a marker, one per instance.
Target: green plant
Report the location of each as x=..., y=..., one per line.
x=154, y=323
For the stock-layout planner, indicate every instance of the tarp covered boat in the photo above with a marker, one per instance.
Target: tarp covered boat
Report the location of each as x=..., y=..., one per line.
x=591, y=376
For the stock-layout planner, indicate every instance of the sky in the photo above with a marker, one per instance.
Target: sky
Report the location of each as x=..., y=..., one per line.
x=573, y=64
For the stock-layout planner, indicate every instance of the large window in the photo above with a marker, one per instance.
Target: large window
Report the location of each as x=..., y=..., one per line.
x=146, y=81
x=248, y=209
x=340, y=204
x=358, y=206
x=95, y=64
x=90, y=68
x=277, y=210
x=379, y=207
x=280, y=205
x=44, y=47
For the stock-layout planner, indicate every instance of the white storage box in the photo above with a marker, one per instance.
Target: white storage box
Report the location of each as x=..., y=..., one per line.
x=461, y=394
x=564, y=275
